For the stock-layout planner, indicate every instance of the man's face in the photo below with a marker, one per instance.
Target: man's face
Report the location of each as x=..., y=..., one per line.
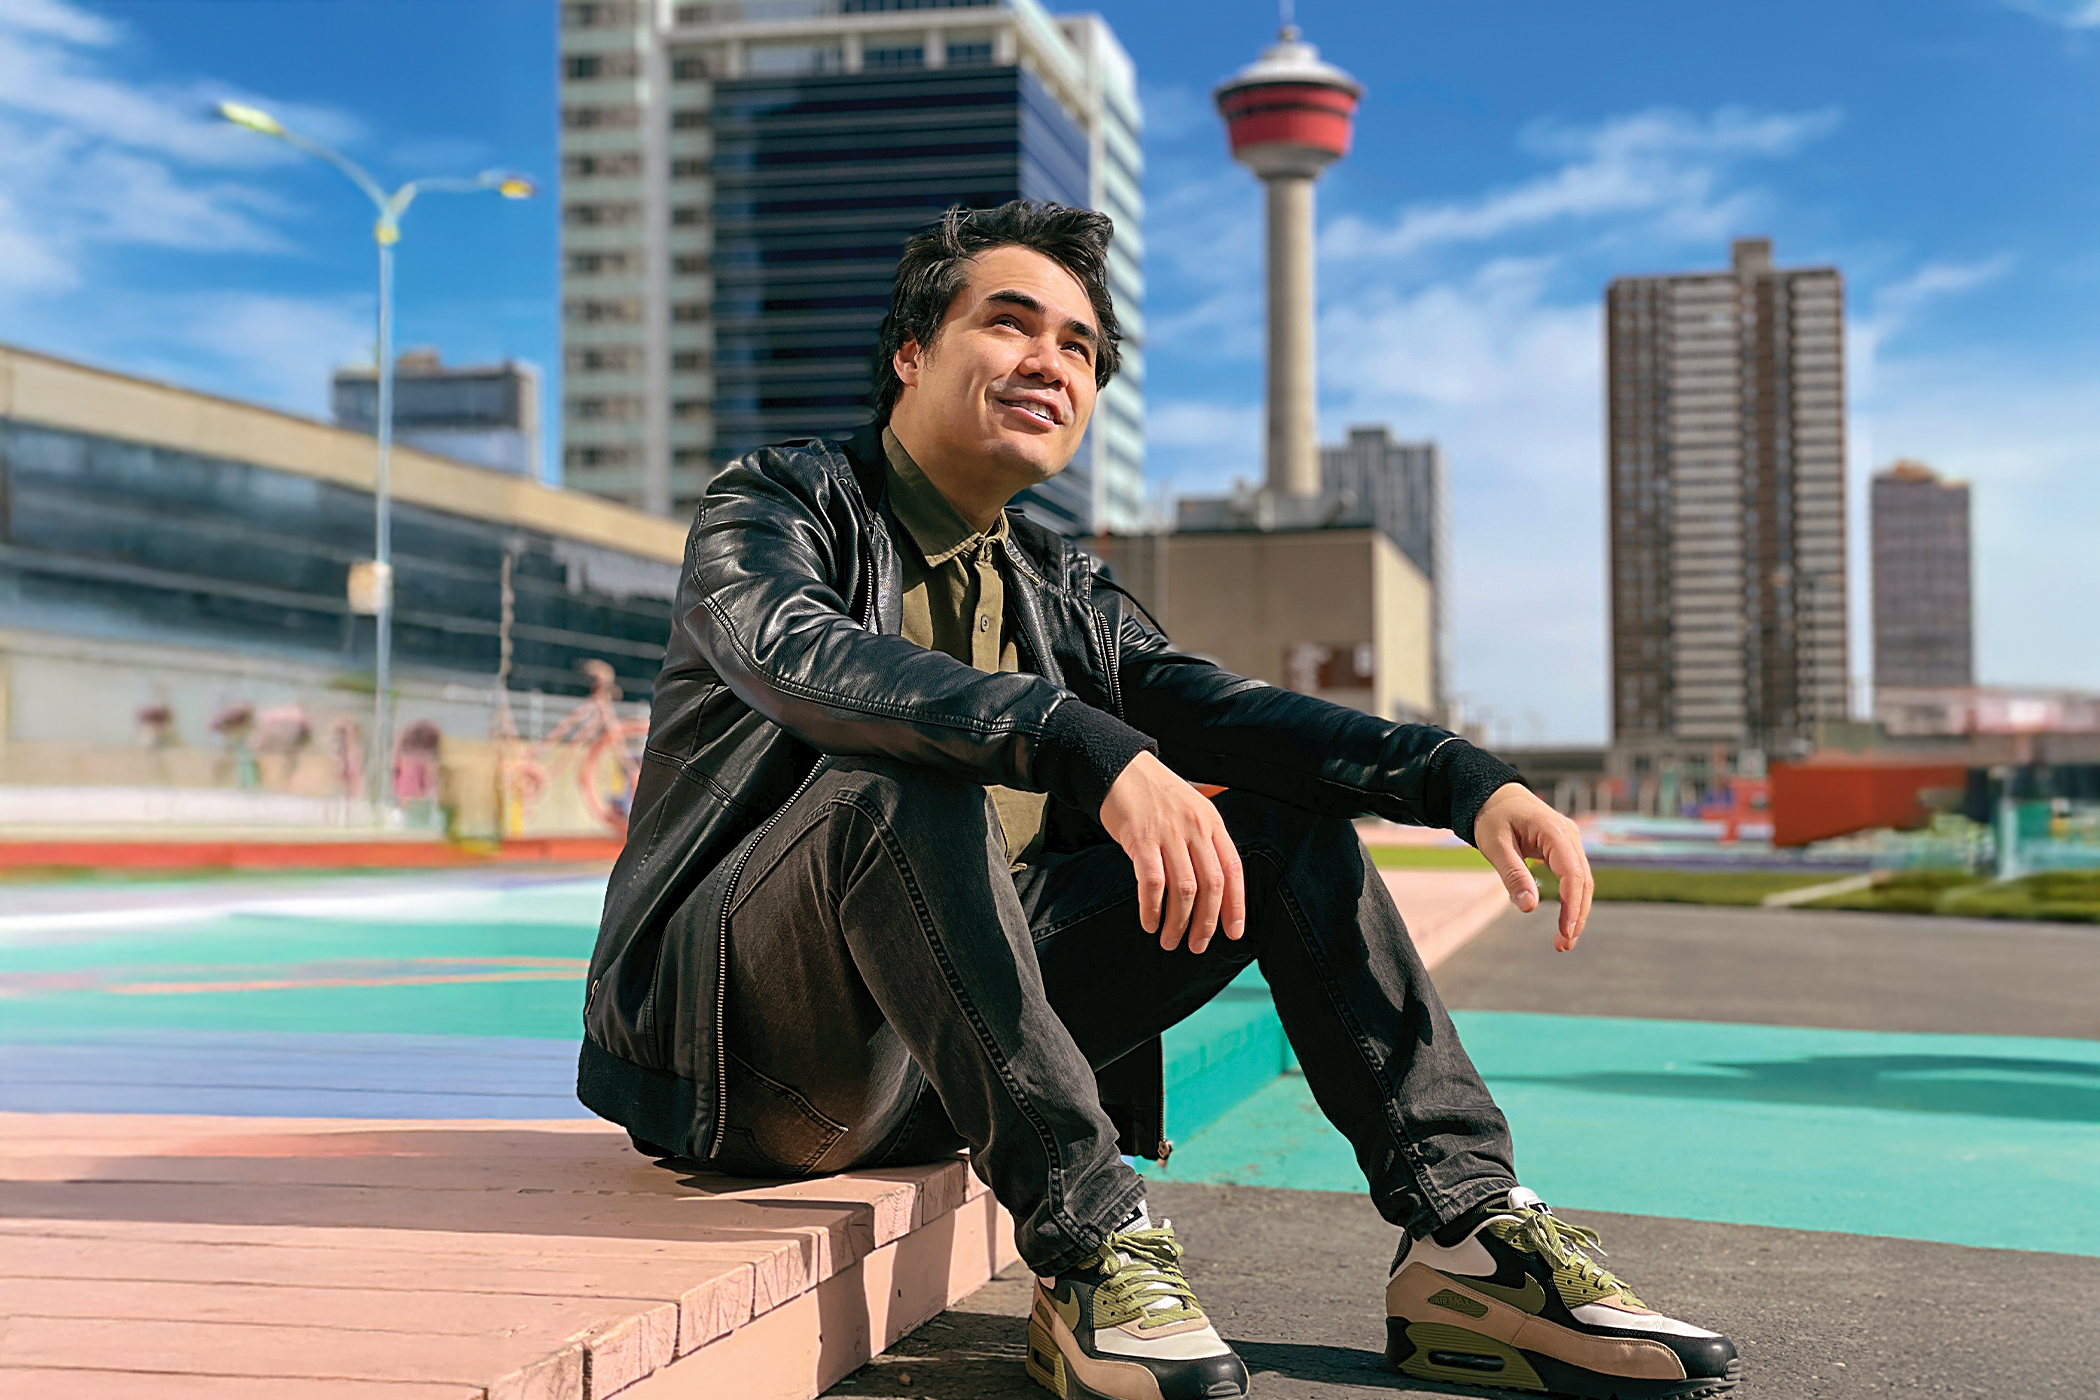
x=1008, y=382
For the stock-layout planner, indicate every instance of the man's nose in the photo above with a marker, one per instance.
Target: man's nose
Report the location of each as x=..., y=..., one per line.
x=1042, y=360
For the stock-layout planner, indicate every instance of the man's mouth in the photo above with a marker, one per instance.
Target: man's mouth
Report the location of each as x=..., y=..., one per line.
x=1036, y=409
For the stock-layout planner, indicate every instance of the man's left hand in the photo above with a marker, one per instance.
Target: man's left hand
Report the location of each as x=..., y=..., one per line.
x=1514, y=826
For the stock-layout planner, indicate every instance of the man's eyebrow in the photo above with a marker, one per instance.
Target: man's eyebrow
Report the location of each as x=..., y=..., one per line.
x=1009, y=297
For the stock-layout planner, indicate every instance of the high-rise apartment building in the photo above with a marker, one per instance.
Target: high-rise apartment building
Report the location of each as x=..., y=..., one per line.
x=1920, y=530
x=1400, y=489
x=1727, y=504
x=738, y=179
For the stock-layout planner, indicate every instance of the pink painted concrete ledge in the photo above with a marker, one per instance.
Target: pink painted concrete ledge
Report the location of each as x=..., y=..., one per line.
x=169, y=1257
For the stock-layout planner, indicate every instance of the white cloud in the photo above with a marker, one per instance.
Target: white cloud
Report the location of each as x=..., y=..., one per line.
x=2071, y=14
x=57, y=20
x=1665, y=165
x=94, y=166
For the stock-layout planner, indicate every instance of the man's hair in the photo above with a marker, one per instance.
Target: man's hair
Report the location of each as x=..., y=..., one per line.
x=936, y=265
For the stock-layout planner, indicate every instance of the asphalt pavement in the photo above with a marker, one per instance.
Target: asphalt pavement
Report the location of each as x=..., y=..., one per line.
x=1294, y=1277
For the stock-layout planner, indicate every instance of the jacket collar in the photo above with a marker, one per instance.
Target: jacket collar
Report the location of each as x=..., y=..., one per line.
x=870, y=466
x=1040, y=550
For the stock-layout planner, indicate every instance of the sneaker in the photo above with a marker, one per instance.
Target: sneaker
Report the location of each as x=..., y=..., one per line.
x=1125, y=1326
x=1519, y=1303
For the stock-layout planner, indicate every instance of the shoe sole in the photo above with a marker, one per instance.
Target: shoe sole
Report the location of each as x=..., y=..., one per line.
x=1047, y=1368
x=1437, y=1351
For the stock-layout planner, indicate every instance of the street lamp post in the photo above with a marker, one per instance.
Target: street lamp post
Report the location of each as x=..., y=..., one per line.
x=386, y=232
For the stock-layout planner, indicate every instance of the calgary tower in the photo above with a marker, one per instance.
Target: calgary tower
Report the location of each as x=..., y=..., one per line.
x=1288, y=116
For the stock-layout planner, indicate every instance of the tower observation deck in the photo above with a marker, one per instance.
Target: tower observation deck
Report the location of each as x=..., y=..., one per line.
x=1288, y=116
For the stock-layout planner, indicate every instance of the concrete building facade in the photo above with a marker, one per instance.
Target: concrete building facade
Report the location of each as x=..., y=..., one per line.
x=1402, y=490
x=1919, y=527
x=1339, y=612
x=738, y=179
x=1726, y=501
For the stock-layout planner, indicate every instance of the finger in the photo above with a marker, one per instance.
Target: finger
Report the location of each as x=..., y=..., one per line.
x=1500, y=848
x=1564, y=856
x=1152, y=885
x=1235, y=908
x=1210, y=892
x=1181, y=895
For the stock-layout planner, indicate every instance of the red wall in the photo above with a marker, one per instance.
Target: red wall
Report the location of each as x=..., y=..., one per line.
x=1815, y=801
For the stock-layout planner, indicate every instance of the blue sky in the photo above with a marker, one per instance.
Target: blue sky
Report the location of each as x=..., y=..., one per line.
x=1511, y=158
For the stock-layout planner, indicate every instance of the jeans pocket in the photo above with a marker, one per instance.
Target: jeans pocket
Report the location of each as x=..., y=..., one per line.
x=773, y=1125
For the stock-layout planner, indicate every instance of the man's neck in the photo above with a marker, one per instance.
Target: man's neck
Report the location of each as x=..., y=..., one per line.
x=976, y=494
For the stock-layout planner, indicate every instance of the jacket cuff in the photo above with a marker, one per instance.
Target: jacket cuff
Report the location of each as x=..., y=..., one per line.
x=1466, y=777
x=1082, y=751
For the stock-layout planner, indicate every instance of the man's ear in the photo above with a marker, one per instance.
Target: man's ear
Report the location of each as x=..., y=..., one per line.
x=906, y=363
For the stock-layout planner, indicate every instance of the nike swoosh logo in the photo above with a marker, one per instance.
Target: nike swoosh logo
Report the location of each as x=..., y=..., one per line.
x=1531, y=1297
x=1068, y=1309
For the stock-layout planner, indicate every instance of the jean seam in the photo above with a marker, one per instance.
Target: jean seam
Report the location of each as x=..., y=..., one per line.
x=800, y=1103
x=1431, y=1192
x=1054, y=1175
x=1072, y=921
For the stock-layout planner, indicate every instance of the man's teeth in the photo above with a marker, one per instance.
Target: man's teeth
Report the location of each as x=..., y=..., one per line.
x=1037, y=412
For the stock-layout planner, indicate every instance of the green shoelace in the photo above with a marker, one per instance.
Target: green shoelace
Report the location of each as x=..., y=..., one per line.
x=1566, y=1247
x=1142, y=1281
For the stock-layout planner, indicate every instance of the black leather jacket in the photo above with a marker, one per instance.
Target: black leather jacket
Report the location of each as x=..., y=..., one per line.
x=786, y=647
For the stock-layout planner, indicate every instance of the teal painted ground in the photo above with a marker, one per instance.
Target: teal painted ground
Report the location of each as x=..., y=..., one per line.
x=1966, y=1139
x=495, y=961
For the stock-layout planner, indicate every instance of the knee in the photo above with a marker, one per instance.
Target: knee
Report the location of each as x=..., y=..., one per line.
x=911, y=796
x=1282, y=831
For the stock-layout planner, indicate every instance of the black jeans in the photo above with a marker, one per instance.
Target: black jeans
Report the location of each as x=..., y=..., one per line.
x=895, y=993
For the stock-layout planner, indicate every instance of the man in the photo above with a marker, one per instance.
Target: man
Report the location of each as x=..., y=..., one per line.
x=915, y=863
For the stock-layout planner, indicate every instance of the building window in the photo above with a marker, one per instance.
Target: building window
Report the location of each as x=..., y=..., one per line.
x=913, y=56
x=689, y=359
x=596, y=14
x=793, y=60
x=592, y=118
x=600, y=264
x=584, y=66
x=616, y=409
x=689, y=311
x=690, y=68
x=592, y=311
x=686, y=215
x=969, y=55
x=600, y=215
x=689, y=264
x=689, y=119
x=605, y=358
x=606, y=163
x=686, y=167
x=598, y=457
x=690, y=408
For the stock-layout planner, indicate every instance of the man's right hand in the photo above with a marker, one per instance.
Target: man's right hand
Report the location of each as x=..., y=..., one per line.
x=1188, y=871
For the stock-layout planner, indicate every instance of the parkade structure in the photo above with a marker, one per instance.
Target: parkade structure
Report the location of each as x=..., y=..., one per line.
x=178, y=644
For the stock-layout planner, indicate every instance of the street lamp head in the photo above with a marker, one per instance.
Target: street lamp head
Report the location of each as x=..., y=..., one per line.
x=516, y=187
x=254, y=118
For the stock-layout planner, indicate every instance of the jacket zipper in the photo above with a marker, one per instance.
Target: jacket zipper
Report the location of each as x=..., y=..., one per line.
x=736, y=873
x=1109, y=661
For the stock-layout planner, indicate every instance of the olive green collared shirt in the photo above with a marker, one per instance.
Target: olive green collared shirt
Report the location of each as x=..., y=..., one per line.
x=955, y=602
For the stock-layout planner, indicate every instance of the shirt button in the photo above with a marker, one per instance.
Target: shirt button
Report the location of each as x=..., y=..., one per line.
x=984, y=622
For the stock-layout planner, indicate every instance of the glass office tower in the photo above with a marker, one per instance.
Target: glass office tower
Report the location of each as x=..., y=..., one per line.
x=739, y=180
